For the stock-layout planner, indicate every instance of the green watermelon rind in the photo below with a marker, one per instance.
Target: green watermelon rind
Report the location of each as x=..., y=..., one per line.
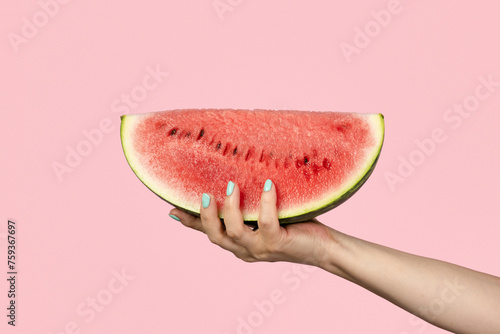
x=300, y=214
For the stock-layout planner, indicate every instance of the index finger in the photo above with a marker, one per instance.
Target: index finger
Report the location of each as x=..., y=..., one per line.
x=186, y=219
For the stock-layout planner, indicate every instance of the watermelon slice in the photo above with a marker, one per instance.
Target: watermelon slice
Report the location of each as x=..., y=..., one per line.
x=316, y=160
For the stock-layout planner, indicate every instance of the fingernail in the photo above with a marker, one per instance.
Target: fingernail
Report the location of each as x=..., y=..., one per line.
x=268, y=185
x=174, y=217
x=230, y=188
x=205, y=200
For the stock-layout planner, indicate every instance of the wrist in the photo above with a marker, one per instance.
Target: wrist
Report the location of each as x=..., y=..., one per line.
x=336, y=254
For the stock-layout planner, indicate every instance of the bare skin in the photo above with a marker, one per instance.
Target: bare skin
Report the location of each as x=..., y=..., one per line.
x=454, y=298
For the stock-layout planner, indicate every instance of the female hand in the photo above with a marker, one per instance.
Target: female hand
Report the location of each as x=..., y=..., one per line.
x=306, y=243
x=416, y=284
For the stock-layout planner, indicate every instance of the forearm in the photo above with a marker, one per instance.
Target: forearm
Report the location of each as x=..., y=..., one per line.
x=449, y=296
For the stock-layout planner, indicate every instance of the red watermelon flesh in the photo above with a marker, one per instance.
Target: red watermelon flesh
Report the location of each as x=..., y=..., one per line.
x=315, y=159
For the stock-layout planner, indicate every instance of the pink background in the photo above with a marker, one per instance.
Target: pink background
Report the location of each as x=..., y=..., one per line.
x=67, y=75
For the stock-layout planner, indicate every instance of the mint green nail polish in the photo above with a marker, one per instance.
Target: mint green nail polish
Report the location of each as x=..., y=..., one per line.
x=174, y=217
x=205, y=200
x=268, y=185
x=230, y=188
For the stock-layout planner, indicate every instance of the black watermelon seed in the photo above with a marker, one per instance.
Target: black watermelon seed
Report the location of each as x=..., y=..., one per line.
x=218, y=145
x=306, y=160
x=173, y=131
x=250, y=153
x=235, y=150
x=202, y=132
